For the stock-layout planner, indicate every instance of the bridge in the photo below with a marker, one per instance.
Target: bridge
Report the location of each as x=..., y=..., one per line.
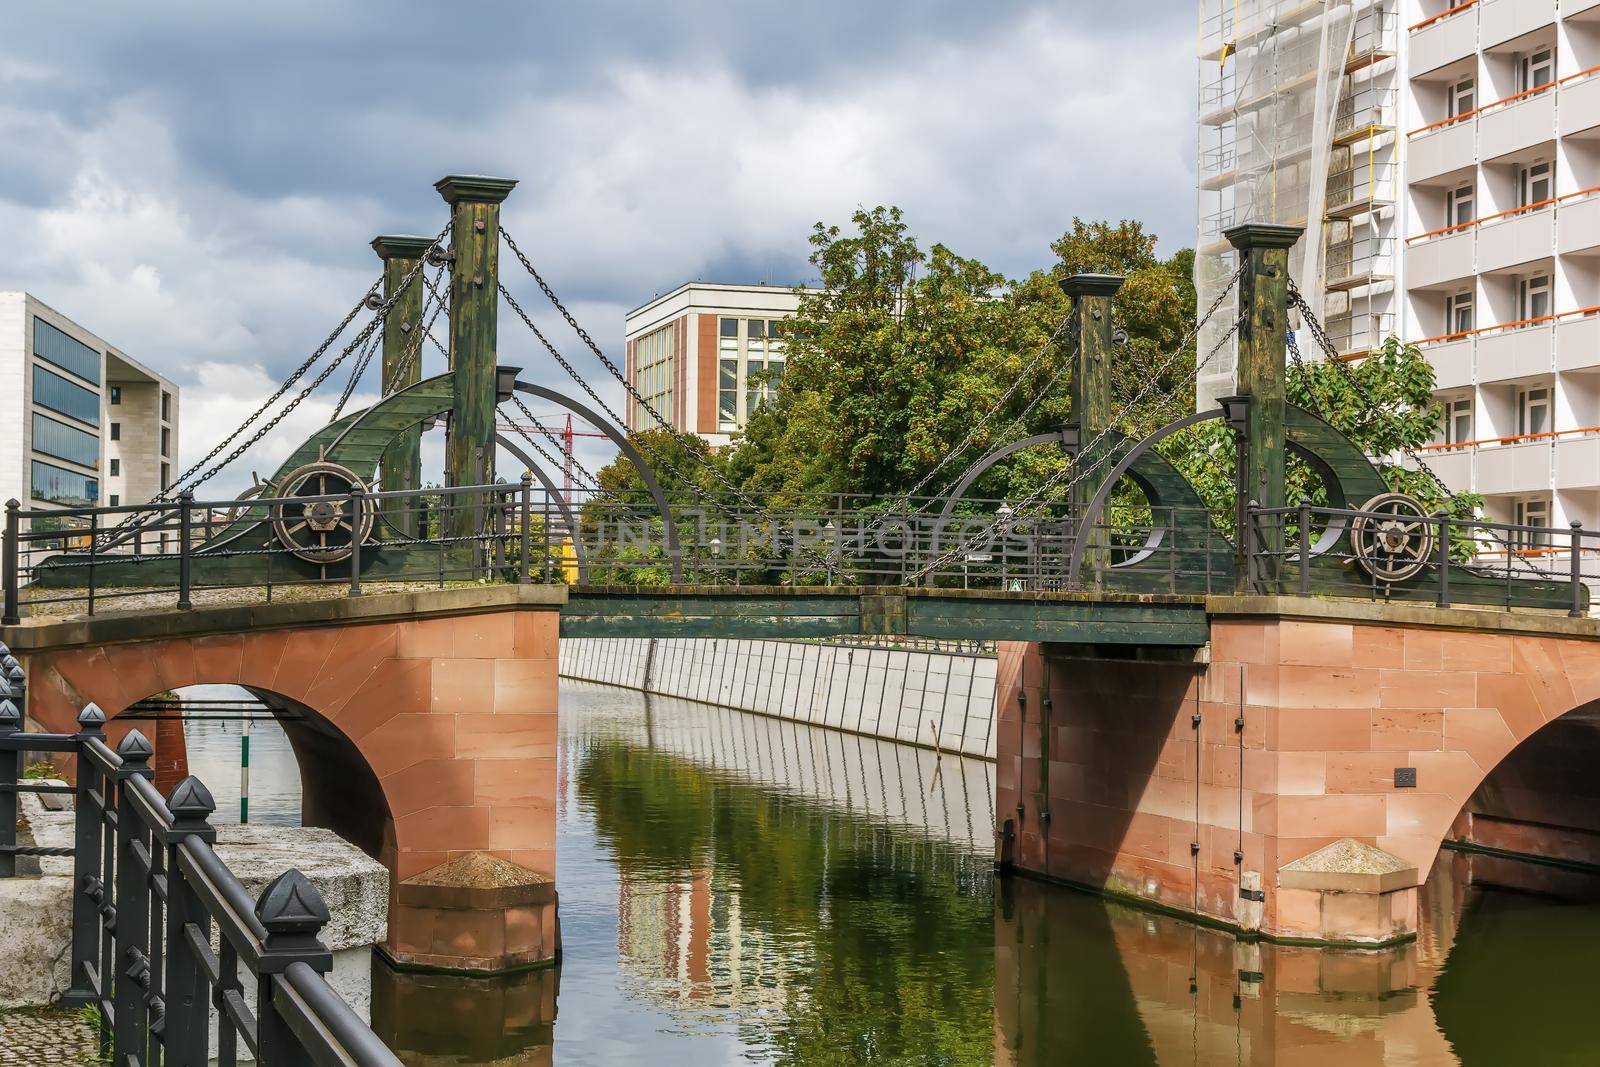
x=1268, y=715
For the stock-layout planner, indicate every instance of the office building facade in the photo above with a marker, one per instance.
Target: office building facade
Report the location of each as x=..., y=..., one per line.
x=705, y=355
x=81, y=422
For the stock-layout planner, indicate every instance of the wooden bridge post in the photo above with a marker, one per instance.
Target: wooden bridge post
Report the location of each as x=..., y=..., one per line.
x=1263, y=347
x=1091, y=390
x=400, y=466
x=474, y=305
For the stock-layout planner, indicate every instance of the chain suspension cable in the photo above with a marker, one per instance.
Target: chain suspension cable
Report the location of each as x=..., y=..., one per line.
x=357, y=369
x=588, y=476
x=1374, y=409
x=536, y=446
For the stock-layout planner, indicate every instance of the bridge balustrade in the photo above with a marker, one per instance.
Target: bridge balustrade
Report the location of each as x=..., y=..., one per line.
x=147, y=889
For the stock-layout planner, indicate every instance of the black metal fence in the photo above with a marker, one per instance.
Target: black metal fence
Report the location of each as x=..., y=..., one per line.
x=148, y=891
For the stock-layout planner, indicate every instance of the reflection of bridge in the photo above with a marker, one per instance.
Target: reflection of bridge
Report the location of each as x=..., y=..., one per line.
x=1206, y=703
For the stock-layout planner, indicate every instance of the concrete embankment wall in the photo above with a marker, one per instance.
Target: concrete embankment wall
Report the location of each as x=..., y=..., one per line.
x=941, y=699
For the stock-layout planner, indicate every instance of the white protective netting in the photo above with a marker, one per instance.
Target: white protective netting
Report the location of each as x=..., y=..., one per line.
x=1271, y=77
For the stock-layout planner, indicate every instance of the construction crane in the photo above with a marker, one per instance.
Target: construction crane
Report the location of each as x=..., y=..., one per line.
x=568, y=435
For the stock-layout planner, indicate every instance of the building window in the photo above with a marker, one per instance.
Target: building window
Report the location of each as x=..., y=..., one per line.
x=116, y=431
x=166, y=406
x=115, y=499
x=1536, y=70
x=1536, y=183
x=1463, y=97
x=750, y=362
x=728, y=374
x=1535, y=513
x=166, y=475
x=1459, y=203
x=166, y=441
x=1458, y=313
x=1533, y=411
x=116, y=467
x=52, y=391
x=65, y=442
x=1533, y=297
x=116, y=394
x=653, y=371
x=1458, y=421
x=57, y=485
x=65, y=351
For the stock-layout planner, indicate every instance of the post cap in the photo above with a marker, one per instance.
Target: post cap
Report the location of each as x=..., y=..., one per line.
x=14, y=675
x=474, y=188
x=9, y=662
x=191, y=800
x=291, y=905
x=1263, y=235
x=135, y=748
x=1076, y=285
x=10, y=717
x=91, y=717
x=401, y=246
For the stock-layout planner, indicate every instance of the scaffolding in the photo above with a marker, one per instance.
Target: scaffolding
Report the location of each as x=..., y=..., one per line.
x=1297, y=113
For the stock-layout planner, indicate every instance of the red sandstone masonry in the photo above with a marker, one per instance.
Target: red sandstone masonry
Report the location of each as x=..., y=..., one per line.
x=1330, y=710
x=455, y=716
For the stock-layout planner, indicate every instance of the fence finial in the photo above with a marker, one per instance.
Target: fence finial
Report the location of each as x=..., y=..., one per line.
x=91, y=717
x=293, y=913
x=10, y=717
x=135, y=749
x=191, y=805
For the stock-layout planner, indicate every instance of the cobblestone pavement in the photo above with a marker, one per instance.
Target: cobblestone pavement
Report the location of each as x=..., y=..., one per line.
x=40, y=1038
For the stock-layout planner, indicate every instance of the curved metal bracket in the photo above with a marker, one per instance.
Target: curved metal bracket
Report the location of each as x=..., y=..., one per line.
x=620, y=439
x=982, y=467
x=554, y=494
x=1097, y=503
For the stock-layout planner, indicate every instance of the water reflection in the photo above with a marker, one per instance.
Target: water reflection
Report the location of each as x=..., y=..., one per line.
x=738, y=889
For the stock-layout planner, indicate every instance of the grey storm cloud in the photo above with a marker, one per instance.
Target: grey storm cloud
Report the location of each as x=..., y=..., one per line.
x=198, y=182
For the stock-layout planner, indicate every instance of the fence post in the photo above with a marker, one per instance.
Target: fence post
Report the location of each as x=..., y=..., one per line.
x=87, y=842
x=356, y=503
x=10, y=772
x=1305, y=547
x=185, y=527
x=132, y=902
x=1444, y=558
x=1252, y=584
x=293, y=913
x=9, y=561
x=187, y=990
x=527, y=517
x=1576, y=567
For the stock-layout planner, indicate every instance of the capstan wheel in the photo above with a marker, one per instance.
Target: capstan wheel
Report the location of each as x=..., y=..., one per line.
x=1394, y=541
x=320, y=531
x=228, y=516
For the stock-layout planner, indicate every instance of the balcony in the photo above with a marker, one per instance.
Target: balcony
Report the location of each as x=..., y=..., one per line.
x=1439, y=259
x=1578, y=341
x=1442, y=149
x=1580, y=102
x=1578, y=223
x=1451, y=362
x=1570, y=8
x=1578, y=462
x=1519, y=236
x=1500, y=21
x=1517, y=123
x=1519, y=352
x=1445, y=37
x=1514, y=468
x=1453, y=466
x=1359, y=334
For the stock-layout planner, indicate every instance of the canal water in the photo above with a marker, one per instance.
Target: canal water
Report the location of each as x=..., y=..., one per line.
x=735, y=889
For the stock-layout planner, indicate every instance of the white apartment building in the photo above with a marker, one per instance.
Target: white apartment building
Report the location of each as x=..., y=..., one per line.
x=705, y=355
x=1447, y=163
x=81, y=422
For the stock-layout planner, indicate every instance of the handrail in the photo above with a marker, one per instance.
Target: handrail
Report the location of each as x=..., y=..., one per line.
x=147, y=888
x=1523, y=209
x=1509, y=439
x=1579, y=75
x=1441, y=15
x=1490, y=106
x=1462, y=334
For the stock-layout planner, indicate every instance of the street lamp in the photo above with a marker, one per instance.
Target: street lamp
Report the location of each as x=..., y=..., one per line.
x=505, y=383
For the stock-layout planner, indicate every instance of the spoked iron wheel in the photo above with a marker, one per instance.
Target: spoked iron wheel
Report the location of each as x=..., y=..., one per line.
x=321, y=531
x=1395, y=543
x=228, y=516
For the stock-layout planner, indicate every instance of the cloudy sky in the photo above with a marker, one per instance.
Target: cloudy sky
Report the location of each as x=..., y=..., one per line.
x=198, y=182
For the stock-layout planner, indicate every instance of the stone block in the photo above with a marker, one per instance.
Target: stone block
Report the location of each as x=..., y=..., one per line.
x=476, y=914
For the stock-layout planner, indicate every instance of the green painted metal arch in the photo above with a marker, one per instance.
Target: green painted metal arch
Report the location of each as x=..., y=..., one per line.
x=360, y=444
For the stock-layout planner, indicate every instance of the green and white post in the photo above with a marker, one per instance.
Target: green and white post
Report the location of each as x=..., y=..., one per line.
x=244, y=771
